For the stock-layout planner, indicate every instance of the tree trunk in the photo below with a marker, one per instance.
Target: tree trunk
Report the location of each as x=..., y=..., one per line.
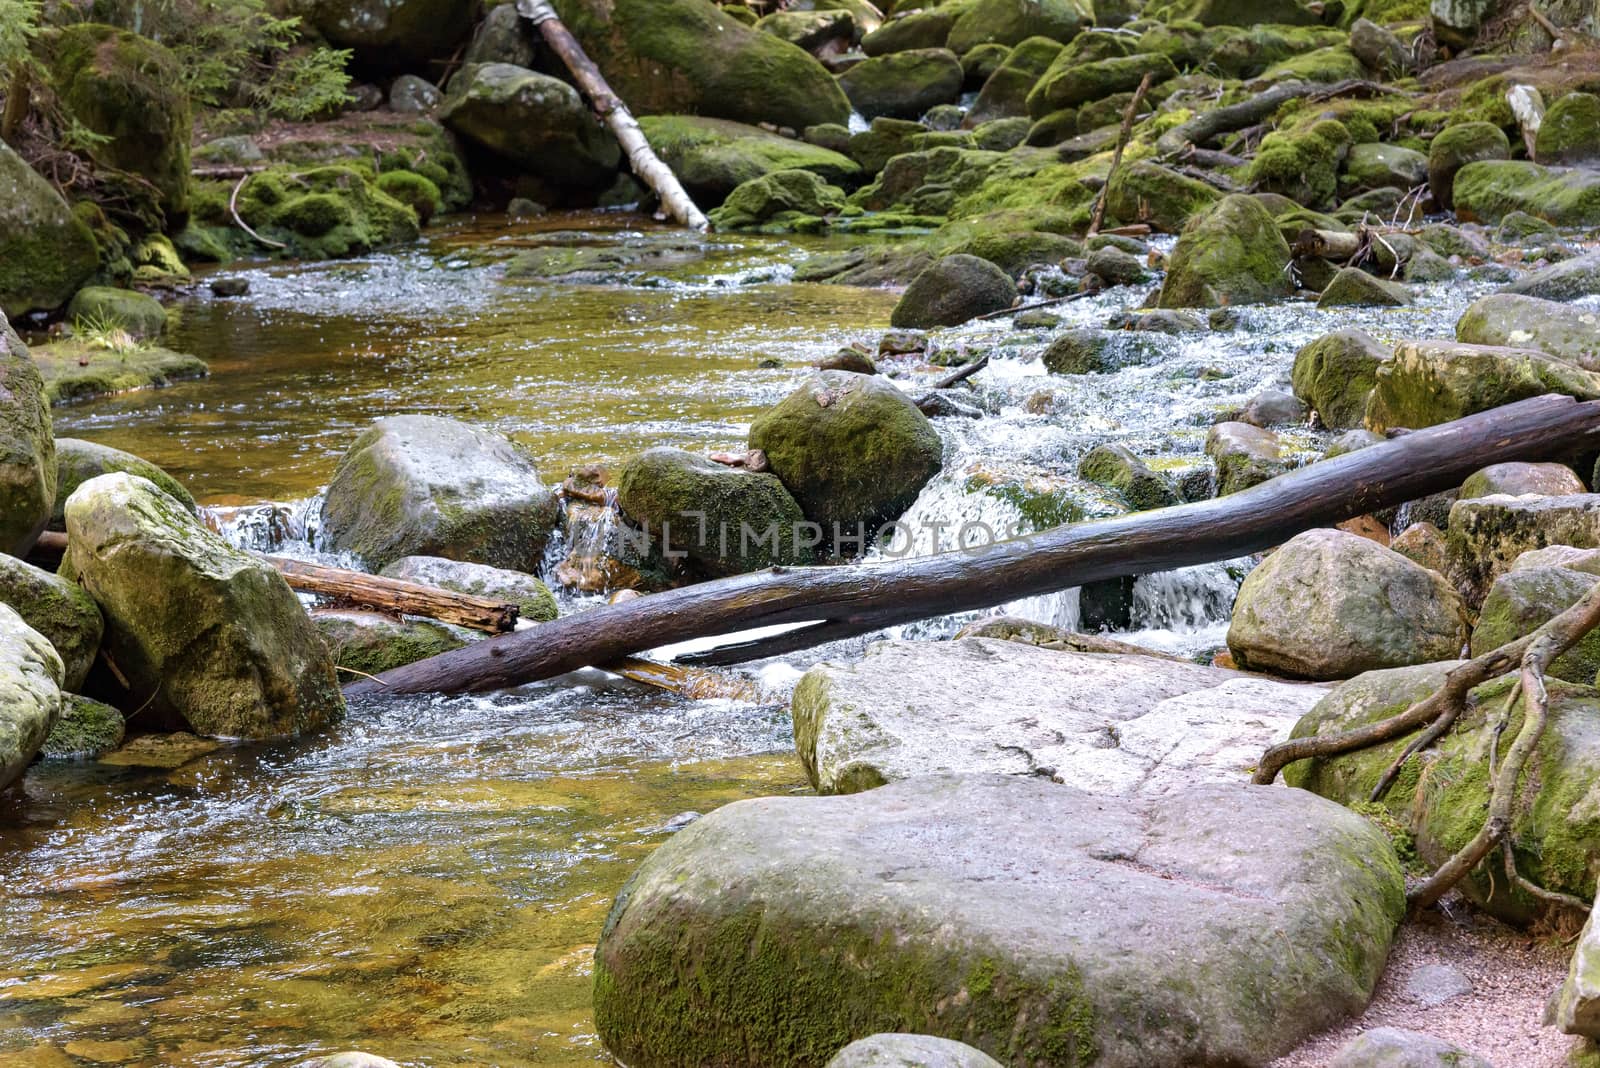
x=848, y=600
x=17, y=104
x=646, y=164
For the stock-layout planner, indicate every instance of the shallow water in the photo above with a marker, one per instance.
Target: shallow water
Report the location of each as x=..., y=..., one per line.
x=425, y=880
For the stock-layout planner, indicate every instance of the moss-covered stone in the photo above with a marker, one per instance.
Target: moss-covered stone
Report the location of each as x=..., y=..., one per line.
x=27, y=447
x=86, y=730
x=1233, y=254
x=1565, y=331
x=852, y=450
x=1010, y=22
x=30, y=693
x=58, y=609
x=78, y=461
x=1353, y=287
x=46, y=251
x=1005, y=94
x=391, y=35
x=1333, y=64
x=1244, y=455
x=1302, y=164
x=1116, y=467
x=1071, y=84
x=534, y=601
x=1565, y=196
x=1377, y=166
x=952, y=291
x=903, y=85
x=1523, y=600
x=1570, y=132
x=415, y=191
x=105, y=308
x=773, y=200
x=371, y=643
x=919, y=29
x=1244, y=12
x=980, y=63
x=128, y=90
x=713, y=157
x=77, y=370
x=204, y=634
x=1432, y=382
x=1146, y=192
x=325, y=212
x=1456, y=146
x=688, y=57
x=535, y=121
x=1335, y=374
x=810, y=30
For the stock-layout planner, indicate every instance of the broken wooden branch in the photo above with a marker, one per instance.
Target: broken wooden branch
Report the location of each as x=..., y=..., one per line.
x=1208, y=124
x=233, y=209
x=847, y=600
x=1123, y=134
x=396, y=595
x=614, y=113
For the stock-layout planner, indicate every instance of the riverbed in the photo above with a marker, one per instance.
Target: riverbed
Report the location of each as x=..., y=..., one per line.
x=426, y=880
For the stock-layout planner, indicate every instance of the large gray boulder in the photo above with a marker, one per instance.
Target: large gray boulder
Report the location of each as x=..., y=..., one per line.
x=1329, y=605
x=1029, y=920
x=910, y=1051
x=953, y=290
x=725, y=519
x=77, y=461
x=1520, y=479
x=1390, y=1047
x=1432, y=382
x=206, y=636
x=30, y=693
x=1114, y=724
x=1232, y=254
x=46, y=252
x=1565, y=331
x=851, y=448
x=27, y=447
x=58, y=609
x=1486, y=534
x=424, y=485
x=535, y=603
x=1567, y=280
x=538, y=122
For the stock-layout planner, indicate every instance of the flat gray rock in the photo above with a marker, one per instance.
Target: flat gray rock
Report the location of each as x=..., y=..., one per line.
x=1390, y=1047
x=910, y=1051
x=1108, y=723
x=1434, y=984
x=1041, y=924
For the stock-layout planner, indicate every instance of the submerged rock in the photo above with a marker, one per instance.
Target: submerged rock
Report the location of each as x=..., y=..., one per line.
x=1110, y=723
x=46, y=251
x=372, y=643
x=86, y=730
x=1329, y=605
x=535, y=121
x=1335, y=375
x=534, y=601
x=58, y=609
x=953, y=290
x=204, y=634
x=910, y=1051
x=27, y=446
x=852, y=449
x=30, y=693
x=77, y=461
x=1551, y=326
x=1233, y=254
x=1010, y=914
x=424, y=485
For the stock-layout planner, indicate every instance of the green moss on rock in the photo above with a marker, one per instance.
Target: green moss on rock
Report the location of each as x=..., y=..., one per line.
x=46, y=251
x=1302, y=165
x=1233, y=254
x=713, y=157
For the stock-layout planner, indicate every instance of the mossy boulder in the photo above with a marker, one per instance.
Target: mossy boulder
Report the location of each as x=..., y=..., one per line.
x=129, y=91
x=1519, y=479
x=811, y=30
x=1335, y=374
x=1117, y=468
x=1146, y=192
x=1244, y=13
x=1070, y=84
x=1567, y=280
x=102, y=307
x=713, y=157
x=1564, y=196
x=776, y=201
x=683, y=57
x=952, y=291
x=77, y=461
x=928, y=28
x=852, y=450
x=1443, y=793
x=1431, y=382
x=1245, y=456
x=393, y=34
x=1010, y=22
x=86, y=729
x=725, y=520
x=1378, y=166
x=535, y=603
x=46, y=251
x=424, y=485
x=58, y=609
x=1380, y=50
x=1336, y=63
x=1565, y=331
x=1302, y=164
x=372, y=643
x=1524, y=599
x=1005, y=94
x=27, y=447
x=1353, y=287
x=1570, y=132
x=30, y=694
x=1331, y=605
x=535, y=121
x=1232, y=254
x=77, y=370
x=1456, y=146
x=1086, y=351
x=765, y=934
x=903, y=85
x=205, y=636
x=326, y=212
x=419, y=193
x=1487, y=535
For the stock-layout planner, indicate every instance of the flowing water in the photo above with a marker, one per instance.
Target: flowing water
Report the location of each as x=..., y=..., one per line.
x=426, y=879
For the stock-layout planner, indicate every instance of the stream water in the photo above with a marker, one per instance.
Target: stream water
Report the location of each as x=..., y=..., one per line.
x=426, y=880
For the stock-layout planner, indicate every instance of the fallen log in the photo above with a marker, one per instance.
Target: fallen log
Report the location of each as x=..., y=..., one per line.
x=1208, y=124
x=396, y=595
x=842, y=601
x=1328, y=244
x=697, y=684
x=614, y=113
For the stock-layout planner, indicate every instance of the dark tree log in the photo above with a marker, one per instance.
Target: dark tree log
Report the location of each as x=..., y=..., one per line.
x=396, y=595
x=858, y=599
x=1208, y=124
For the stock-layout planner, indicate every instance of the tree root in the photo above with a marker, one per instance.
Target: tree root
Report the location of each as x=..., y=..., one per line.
x=1438, y=712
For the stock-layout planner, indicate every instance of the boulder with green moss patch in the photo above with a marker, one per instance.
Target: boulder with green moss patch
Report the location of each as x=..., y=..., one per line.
x=424, y=485
x=903, y=85
x=86, y=730
x=1487, y=535
x=1085, y=351
x=58, y=609
x=1566, y=331
x=773, y=199
x=1432, y=382
x=1302, y=164
x=688, y=57
x=1116, y=467
x=811, y=30
x=105, y=308
x=1244, y=13
x=1570, y=132
x=1378, y=166
x=1524, y=599
x=713, y=157
x=768, y=934
x=46, y=251
x=1010, y=22
x=78, y=461
x=725, y=519
x=30, y=693
x=1146, y=192
x=394, y=34
x=1005, y=93
x=27, y=447
x=79, y=370
x=1233, y=254
x=928, y=28
x=1069, y=83
x=1456, y=146
x=1563, y=196
x=1519, y=479
x=1353, y=287
x=413, y=190
x=1335, y=374
x=952, y=291
x=372, y=643
x=129, y=91
x=535, y=603
x=325, y=212
x=535, y=121
x=1245, y=456
x=852, y=449
x=206, y=636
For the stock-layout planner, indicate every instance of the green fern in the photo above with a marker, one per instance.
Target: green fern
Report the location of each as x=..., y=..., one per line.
x=306, y=84
x=19, y=21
